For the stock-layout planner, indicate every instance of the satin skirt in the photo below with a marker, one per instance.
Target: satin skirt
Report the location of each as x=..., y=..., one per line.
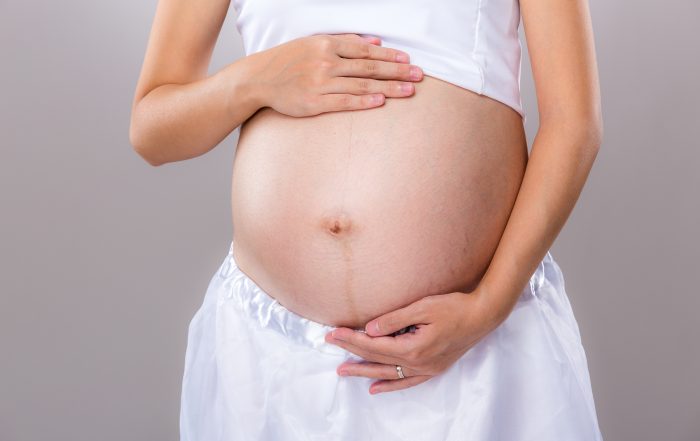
x=256, y=371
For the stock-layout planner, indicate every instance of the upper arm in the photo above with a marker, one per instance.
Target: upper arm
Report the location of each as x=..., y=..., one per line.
x=562, y=55
x=181, y=42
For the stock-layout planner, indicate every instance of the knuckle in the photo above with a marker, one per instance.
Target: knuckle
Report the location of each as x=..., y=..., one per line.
x=325, y=42
x=371, y=66
x=365, y=50
x=364, y=85
x=317, y=80
x=325, y=64
x=309, y=104
x=392, y=87
x=344, y=101
x=403, y=70
x=371, y=100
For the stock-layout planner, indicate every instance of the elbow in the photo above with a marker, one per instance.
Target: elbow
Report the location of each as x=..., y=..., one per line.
x=590, y=135
x=142, y=150
x=138, y=142
x=599, y=131
x=593, y=129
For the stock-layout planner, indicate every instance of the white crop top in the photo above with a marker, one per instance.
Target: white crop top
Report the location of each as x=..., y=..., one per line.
x=473, y=44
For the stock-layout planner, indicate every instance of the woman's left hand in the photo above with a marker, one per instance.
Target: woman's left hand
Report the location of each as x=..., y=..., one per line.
x=447, y=326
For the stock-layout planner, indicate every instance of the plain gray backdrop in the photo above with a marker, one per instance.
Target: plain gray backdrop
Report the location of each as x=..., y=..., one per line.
x=105, y=259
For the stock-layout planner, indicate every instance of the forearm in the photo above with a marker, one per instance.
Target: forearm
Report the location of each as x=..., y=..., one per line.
x=561, y=159
x=174, y=122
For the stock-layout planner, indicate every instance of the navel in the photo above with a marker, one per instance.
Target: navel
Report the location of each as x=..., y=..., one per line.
x=337, y=224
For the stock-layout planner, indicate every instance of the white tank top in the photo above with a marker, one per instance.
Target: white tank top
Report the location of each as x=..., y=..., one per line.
x=473, y=44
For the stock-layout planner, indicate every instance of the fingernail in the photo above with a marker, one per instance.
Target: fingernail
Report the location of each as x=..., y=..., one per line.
x=402, y=57
x=415, y=73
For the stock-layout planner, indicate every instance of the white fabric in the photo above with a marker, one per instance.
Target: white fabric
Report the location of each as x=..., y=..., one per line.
x=473, y=44
x=254, y=370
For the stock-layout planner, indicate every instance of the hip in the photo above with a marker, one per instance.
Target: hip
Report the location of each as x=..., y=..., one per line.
x=251, y=365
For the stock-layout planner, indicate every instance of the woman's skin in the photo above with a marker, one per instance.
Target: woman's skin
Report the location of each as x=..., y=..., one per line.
x=562, y=54
x=179, y=112
x=346, y=241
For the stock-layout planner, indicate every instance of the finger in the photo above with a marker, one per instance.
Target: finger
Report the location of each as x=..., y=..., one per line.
x=378, y=69
x=392, y=349
x=372, y=39
x=363, y=353
x=347, y=48
x=393, y=385
x=360, y=86
x=372, y=370
x=369, y=38
x=415, y=313
x=333, y=102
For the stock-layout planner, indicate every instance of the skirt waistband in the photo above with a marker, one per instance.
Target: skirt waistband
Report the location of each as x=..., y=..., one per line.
x=269, y=313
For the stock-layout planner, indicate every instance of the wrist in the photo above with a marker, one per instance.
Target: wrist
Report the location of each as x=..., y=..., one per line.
x=242, y=90
x=494, y=308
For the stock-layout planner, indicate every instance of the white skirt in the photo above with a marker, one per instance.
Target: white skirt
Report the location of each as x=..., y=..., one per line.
x=256, y=371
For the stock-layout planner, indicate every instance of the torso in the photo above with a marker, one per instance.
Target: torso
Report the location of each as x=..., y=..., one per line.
x=345, y=216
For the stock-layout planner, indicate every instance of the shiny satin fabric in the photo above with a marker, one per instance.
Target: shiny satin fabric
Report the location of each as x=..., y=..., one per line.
x=255, y=370
x=473, y=44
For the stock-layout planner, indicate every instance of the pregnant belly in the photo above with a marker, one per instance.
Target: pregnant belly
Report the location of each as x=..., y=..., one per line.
x=345, y=216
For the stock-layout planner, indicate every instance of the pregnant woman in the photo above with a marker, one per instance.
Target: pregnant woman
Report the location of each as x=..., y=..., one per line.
x=389, y=276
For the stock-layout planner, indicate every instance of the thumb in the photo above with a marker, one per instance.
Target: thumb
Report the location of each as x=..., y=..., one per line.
x=397, y=319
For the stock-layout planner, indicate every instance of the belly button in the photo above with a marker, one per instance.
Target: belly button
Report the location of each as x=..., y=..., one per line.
x=336, y=224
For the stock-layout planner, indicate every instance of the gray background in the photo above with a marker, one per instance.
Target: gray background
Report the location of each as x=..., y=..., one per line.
x=104, y=259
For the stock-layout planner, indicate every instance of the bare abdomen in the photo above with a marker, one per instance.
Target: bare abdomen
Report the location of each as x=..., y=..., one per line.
x=345, y=216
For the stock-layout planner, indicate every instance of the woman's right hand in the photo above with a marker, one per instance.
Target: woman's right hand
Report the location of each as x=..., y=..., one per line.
x=331, y=72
